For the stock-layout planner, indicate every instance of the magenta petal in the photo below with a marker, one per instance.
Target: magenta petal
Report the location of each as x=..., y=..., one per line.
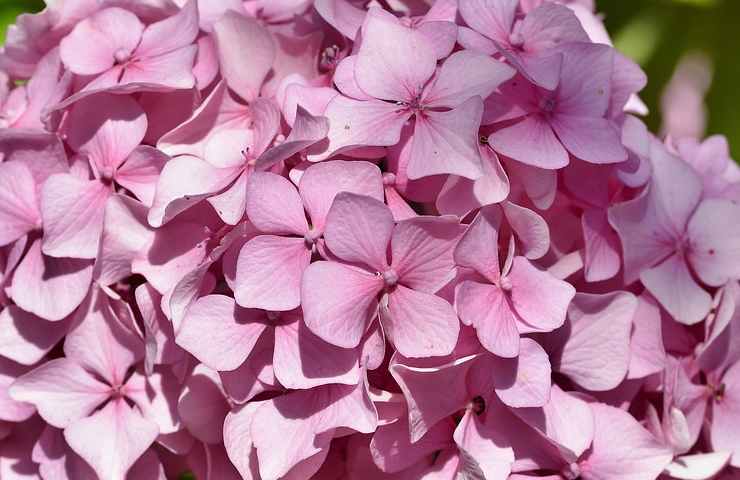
x=112, y=439
x=447, y=142
x=339, y=315
x=219, y=333
x=73, y=211
x=50, y=287
x=597, y=353
x=61, y=391
x=269, y=272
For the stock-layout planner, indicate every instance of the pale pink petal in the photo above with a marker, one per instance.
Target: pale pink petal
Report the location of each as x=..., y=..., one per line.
x=156, y=396
x=26, y=338
x=540, y=185
x=232, y=202
x=50, y=287
x=463, y=75
x=358, y=229
x=698, y=466
x=478, y=247
x=603, y=259
x=523, y=381
x=141, y=171
x=647, y=352
x=172, y=70
x=159, y=337
x=551, y=25
x=274, y=206
x=322, y=182
x=355, y=123
x=342, y=15
x=172, y=33
x=596, y=355
x=726, y=412
x=307, y=130
x=238, y=439
x=339, y=302
x=72, y=210
x=594, y=140
x=112, y=439
x=393, y=451
x=447, y=142
x=530, y=228
x=622, y=448
x=488, y=451
x=540, y=299
x=530, y=141
x=106, y=135
x=203, y=405
x=344, y=79
x=492, y=18
x=383, y=69
x=321, y=409
x=486, y=308
x=19, y=204
x=61, y=391
x=673, y=285
x=244, y=70
x=302, y=360
x=269, y=272
x=441, y=34
x=95, y=42
x=714, y=250
x=422, y=251
x=219, y=333
x=420, y=324
x=100, y=342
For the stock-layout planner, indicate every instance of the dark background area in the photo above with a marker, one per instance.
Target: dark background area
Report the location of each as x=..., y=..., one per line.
x=656, y=33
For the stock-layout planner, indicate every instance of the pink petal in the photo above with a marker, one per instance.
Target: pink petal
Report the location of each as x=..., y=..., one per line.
x=715, y=242
x=442, y=34
x=622, y=448
x=92, y=46
x=673, y=285
x=112, y=439
x=463, y=75
x=523, y=381
x=238, y=439
x=50, y=287
x=159, y=337
x=322, y=182
x=478, y=247
x=358, y=230
x=647, y=352
x=344, y=79
x=597, y=353
x=486, y=308
x=339, y=302
x=307, y=130
x=274, y=206
x=447, y=142
x=302, y=360
x=420, y=324
x=530, y=141
x=321, y=409
x=219, y=333
x=393, y=451
x=101, y=343
x=726, y=412
x=383, y=68
x=61, y=391
x=156, y=396
x=594, y=140
x=551, y=25
x=172, y=70
x=243, y=70
x=422, y=248
x=539, y=184
x=141, y=171
x=269, y=272
x=203, y=405
x=254, y=376
x=530, y=228
x=19, y=204
x=174, y=32
x=427, y=404
x=488, y=451
x=107, y=136
x=698, y=466
x=12, y=410
x=232, y=202
x=341, y=15
x=490, y=17
x=540, y=299
x=72, y=211
x=26, y=338
x=603, y=259
x=355, y=123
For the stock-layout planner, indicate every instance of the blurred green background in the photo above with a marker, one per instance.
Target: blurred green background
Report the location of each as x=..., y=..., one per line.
x=656, y=33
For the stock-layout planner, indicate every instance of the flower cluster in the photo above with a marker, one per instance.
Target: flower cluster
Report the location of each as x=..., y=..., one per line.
x=339, y=239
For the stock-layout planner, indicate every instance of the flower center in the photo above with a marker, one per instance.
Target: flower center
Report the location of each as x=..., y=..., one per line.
x=548, y=104
x=572, y=471
x=390, y=277
x=505, y=284
x=121, y=55
x=311, y=237
x=389, y=179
